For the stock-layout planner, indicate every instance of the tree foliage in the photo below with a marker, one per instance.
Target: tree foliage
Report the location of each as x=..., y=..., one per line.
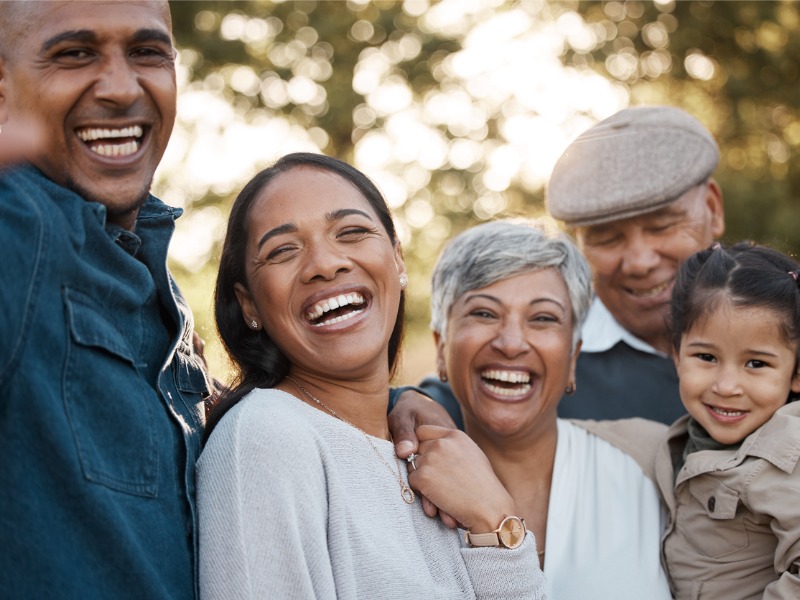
x=358, y=76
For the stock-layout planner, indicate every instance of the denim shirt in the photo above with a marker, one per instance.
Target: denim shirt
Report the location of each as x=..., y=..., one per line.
x=101, y=409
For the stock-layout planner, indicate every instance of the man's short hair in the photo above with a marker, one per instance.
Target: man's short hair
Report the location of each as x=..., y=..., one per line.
x=634, y=162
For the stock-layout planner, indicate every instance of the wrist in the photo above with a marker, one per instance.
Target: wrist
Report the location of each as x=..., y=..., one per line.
x=510, y=533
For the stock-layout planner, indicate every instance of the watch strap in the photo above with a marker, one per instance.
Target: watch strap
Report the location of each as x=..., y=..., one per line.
x=482, y=539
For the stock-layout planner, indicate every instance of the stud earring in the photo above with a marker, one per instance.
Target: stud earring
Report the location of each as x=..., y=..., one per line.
x=254, y=324
x=443, y=377
x=403, y=281
x=570, y=389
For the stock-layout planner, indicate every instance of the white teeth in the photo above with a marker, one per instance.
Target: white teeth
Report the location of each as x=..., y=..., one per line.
x=508, y=376
x=516, y=377
x=344, y=317
x=332, y=303
x=125, y=149
x=728, y=413
x=88, y=135
x=651, y=292
x=501, y=391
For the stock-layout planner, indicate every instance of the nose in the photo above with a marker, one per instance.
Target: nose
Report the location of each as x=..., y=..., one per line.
x=118, y=82
x=726, y=383
x=324, y=260
x=641, y=255
x=510, y=340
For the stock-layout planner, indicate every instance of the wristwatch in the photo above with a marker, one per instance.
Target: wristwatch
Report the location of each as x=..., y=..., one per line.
x=510, y=534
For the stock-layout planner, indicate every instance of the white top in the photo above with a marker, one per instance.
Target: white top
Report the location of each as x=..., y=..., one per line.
x=601, y=332
x=604, y=524
x=293, y=503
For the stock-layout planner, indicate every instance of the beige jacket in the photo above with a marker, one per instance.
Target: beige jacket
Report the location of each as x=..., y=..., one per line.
x=734, y=529
x=638, y=438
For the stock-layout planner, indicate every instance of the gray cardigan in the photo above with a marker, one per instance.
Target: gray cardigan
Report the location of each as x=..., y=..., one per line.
x=294, y=503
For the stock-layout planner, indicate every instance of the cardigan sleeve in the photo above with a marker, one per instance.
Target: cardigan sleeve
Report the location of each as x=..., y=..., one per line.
x=499, y=573
x=262, y=511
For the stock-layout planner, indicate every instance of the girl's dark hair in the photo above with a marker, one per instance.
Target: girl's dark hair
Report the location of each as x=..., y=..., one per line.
x=257, y=360
x=748, y=275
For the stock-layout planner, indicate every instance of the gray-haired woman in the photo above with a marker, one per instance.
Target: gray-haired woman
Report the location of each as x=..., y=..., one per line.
x=508, y=299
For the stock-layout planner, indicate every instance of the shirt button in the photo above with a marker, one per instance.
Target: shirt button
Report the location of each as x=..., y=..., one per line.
x=712, y=502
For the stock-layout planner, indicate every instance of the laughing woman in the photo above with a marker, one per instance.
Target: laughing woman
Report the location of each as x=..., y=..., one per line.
x=299, y=490
x=507, y=303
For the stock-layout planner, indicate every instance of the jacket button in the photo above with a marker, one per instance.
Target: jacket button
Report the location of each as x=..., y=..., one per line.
x=712, y=502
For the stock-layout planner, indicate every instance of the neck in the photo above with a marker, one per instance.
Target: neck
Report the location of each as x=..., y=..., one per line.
x=524, y=465
x=363, y=404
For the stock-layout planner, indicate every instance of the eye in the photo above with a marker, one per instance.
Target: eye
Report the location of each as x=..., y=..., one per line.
x=481, y=313
x=605, y=240
x=706, y=357
x=354, y=232
x=281, y=253
x=544, y=318
x=755, y=364
x=152, y=55
x=76, y=56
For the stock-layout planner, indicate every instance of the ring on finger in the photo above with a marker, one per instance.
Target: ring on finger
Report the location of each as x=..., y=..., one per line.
x=411, y=458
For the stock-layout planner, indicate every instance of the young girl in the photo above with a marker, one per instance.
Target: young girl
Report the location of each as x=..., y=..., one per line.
x=729, y=470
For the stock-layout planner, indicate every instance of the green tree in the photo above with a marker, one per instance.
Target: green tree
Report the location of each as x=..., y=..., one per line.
x=458, y=110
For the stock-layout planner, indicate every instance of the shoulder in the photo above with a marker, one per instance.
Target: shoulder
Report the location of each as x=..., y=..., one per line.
x=264, y=421
x=638, y=438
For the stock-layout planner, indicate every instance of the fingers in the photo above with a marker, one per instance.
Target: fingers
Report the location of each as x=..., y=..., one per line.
x=428, y=507
x=427, y=433
x=402, y=424
x=448, y=520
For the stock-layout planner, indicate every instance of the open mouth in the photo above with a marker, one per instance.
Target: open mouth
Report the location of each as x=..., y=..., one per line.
x=654, y=291
x=112, y=142
x=506, y=382
x=726, y=412
x=336, y=309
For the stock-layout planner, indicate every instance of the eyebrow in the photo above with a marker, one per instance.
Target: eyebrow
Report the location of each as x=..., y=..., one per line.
x=292, y=228
x=89, y=36
x=497, y=300
x=710, y=346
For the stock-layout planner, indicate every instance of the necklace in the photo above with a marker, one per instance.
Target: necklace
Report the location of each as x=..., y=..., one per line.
x=406, y=493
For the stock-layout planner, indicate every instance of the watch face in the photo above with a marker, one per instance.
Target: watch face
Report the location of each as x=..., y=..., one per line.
x=512, y=532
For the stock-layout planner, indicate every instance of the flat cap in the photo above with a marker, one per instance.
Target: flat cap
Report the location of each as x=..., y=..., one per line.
x=631, y=163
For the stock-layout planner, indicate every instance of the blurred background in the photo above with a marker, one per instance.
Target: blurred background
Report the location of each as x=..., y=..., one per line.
x=458, y=110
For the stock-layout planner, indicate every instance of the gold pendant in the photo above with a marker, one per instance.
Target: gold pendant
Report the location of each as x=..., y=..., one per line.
x=408, y=494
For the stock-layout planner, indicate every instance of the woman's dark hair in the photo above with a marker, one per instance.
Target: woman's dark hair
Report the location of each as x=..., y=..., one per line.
x=746, y=274
x=258, y=361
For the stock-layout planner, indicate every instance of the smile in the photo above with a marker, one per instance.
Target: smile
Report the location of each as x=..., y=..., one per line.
x=336, y=309
x=727, y=412
x=506, y=382
x=654, y=291
x=126, y=140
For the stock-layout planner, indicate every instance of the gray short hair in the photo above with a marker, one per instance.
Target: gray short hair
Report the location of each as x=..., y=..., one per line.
x=494, y=251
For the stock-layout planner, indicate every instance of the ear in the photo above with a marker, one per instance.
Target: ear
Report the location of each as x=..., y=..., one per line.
x=574, y=361
x=795, y=387
x=715, y=207
x=3, y=92
x=398, y=260
x=249, y=310
x=441, y=363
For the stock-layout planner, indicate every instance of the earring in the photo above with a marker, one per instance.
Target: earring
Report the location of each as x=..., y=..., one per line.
x=443, y=377
x=403, y=281
x=254, y=324
x=570, y=389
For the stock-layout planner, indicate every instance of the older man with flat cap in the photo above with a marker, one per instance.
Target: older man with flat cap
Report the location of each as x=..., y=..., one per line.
x=637, y=193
